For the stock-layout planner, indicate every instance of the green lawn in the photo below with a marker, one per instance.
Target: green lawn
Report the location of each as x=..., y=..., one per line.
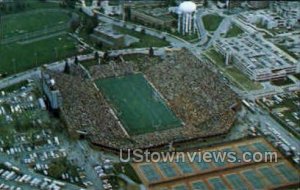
x=30, y=5
x=190, y=38
x=137, y=104
x=211, y=22
x=242, y=79
x=28, y=55
x=234, y=31
x=31, y=21
x=145, y=40
x=39, y=49
x=235, y=75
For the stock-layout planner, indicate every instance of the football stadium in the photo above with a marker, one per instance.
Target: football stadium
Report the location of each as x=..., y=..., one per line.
x=147, y=102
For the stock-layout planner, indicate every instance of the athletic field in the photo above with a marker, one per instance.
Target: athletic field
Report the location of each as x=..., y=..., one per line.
x=137, y=104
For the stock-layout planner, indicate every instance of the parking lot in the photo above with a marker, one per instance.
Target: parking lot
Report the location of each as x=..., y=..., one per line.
x=36, y=152
x=285, y=109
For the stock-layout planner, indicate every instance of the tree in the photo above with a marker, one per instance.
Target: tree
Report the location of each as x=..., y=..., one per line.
x=99, y=45
x=205, y=4
x=105, y=57
x=75, y=22
x=97, y=57
x=76, y=61
x=67, y=67
x=151, y=52
x=58, y=167
x=90, y=23
x=128, y=13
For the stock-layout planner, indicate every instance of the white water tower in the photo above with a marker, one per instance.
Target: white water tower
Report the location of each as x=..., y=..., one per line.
x=186, y=17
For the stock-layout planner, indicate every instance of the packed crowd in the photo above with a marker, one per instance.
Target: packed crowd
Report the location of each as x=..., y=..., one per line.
x=78, y=70
x=193, y=92
x=84, y=109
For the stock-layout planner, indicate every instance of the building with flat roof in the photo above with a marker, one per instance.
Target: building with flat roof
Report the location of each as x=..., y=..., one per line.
x=270, y=19
x=110, y=37
x=258, y=4
x=157, y=17
x=289, y=10
x=258, y=59
x=52, y=93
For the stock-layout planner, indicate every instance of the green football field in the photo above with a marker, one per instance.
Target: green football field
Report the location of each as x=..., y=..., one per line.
x=137, y=104
x=32, y=21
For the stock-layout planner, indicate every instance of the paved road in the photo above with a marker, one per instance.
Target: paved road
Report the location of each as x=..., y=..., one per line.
x=223, y=27
x=200, y=26
x=266, y=120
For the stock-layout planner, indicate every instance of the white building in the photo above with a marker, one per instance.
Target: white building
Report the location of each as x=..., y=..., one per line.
x=268, y=19
x=111, y=9
x=289, y=10
x=186, y=17
x=258, y=59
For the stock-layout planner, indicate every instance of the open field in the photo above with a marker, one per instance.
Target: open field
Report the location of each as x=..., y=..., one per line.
x=234, y=31
x=31, y=21
x=139, y=107
x=190, y=38
x=34, y=36
x=211, y=22
x=17, y=58
x=233, y=73
x=29, y=5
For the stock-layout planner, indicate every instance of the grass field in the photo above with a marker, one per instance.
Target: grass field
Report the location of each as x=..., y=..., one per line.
x=234, y=31
x=29, y=55
x=137, y=104
x=31, y=21
x=190, y=38
x=211, y=22
x=27, y=51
